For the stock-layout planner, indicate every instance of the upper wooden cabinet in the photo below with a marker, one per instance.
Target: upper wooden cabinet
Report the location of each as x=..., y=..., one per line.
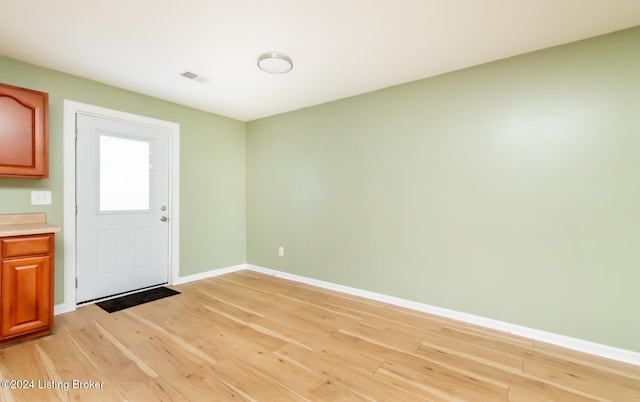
x=24, y=133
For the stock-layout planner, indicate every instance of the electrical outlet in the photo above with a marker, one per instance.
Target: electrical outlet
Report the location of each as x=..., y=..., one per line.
x=281, y=251
x=41, y=198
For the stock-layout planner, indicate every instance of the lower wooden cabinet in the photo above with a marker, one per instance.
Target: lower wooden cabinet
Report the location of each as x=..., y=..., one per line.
x=26, y=286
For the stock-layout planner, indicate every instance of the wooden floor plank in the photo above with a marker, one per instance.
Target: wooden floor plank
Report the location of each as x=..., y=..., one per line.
x=200, y=350
x=70, y=363
x=612, y=366
x=329, y=353
x=251, y=383
x=383, y=336
x=374, y=387
x=155, y=390
x=247, y=336
x=436, y=341
x=494, y=370
x=333, y=392
x=514, y=345
x=593, y=381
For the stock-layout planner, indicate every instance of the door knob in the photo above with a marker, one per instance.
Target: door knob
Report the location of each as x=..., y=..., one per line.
x=164, y=219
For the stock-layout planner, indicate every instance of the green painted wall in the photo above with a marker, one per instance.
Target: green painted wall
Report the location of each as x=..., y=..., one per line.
x=212, y=163
x=509, y=190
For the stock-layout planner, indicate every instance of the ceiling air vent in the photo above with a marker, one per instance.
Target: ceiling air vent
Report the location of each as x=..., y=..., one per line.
x=193, y=76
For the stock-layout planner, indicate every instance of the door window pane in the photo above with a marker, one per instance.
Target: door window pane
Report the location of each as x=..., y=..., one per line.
x=124, y=174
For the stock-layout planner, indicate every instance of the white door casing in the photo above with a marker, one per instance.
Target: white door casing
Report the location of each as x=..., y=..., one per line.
x=71, y=108
x=122, y=184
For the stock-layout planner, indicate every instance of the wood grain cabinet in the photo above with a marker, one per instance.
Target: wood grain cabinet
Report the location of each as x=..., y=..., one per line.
x=24, y=133
x=26, y=286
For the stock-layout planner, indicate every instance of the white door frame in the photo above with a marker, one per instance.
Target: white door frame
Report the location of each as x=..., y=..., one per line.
x=72, y=108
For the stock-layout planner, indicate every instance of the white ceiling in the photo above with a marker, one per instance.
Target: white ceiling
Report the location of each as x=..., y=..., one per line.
x=339, y=48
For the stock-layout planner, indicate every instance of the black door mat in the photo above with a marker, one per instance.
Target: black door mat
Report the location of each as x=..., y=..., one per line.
x=146, y=296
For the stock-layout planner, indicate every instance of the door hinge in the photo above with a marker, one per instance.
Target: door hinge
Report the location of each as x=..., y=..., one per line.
x=76, y=282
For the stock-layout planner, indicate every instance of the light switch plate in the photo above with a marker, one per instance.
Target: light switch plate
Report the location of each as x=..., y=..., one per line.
x=41, y=198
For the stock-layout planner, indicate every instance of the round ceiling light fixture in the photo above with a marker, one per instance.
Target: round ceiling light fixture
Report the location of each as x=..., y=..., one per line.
x=275, y=63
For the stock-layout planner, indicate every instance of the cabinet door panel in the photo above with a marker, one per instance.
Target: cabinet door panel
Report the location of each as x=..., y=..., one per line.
x=17, y=139
x=26, y=295
x=23, y=132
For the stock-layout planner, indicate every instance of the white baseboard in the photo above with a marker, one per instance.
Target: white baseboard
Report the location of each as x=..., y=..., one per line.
x=580, y=345
x=209, y=274
x=592, y=348
x=63, y=308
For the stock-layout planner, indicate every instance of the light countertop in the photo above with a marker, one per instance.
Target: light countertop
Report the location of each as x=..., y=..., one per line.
x=25, y=224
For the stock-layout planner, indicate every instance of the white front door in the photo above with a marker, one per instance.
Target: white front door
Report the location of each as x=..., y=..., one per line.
x=122, y=192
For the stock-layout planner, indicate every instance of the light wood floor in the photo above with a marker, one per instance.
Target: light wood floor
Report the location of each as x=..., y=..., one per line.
x=248, y=336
